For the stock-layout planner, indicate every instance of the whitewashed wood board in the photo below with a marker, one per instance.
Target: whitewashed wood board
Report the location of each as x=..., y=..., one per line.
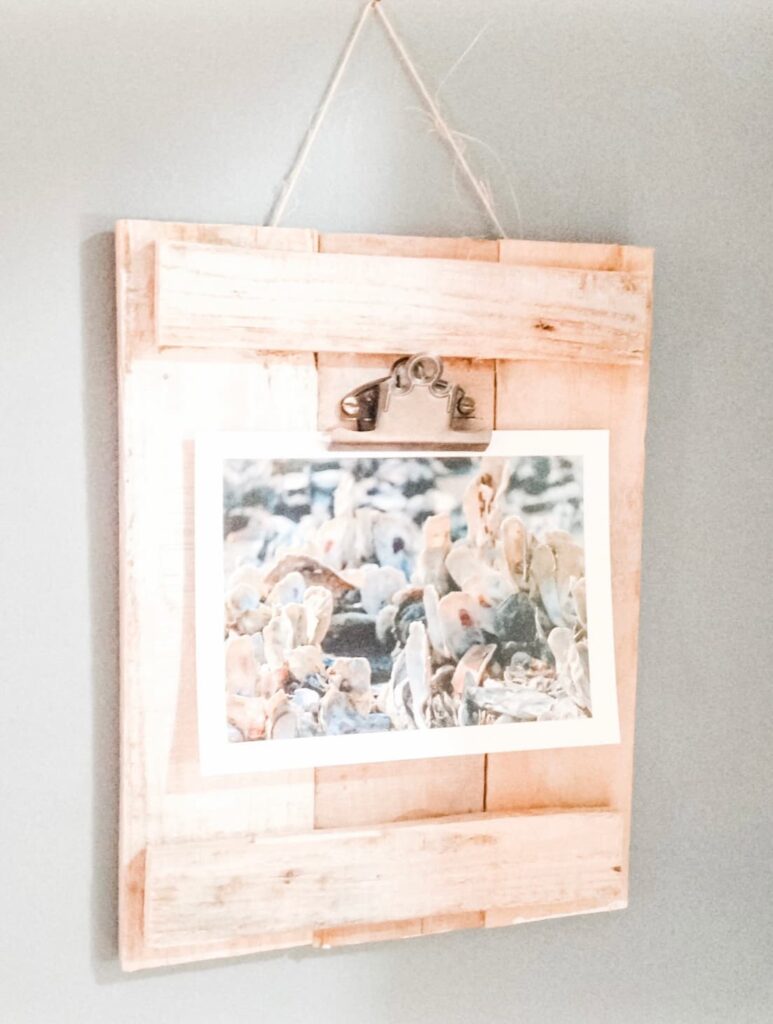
x=196, y=354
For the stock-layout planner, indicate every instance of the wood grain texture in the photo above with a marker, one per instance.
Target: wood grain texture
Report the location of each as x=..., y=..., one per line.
x=164, y=403
x=376, y=794
x=372, y=794
x=550, y=395
x=502, y=917
x=574, y=397
x=387, y=930
x=170, y=815
x=136, y=242
x=578, y=257
x=411, y=245
x=221, y=297
x=223, y=889
x=136, y=954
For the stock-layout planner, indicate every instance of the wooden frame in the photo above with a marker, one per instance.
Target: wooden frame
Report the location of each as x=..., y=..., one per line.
x=228, y=327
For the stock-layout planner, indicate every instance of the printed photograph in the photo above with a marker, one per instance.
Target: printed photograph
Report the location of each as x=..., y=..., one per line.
x=404, y=593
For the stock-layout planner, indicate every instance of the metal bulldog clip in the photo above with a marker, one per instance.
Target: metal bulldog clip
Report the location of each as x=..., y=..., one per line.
x=411, y=406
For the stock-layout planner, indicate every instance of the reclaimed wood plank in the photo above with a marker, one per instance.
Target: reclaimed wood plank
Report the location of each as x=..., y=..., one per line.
x=585, y=256
x=164, y=402
x=136, y=242
x=549, y=395
x=503, y=918
x=371, y=794
x=575, y=396
x=375, y=794
x=223, y=297
x=136, y=955
x=235, y=886
x=411, y=245
x=387, y=930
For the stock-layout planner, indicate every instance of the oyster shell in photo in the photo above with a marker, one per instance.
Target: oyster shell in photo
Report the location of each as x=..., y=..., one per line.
x=402, y=592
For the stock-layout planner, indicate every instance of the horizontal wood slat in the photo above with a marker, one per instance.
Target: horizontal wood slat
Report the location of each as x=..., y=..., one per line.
x=226, y=297
x=231, y=887
x=398, y=246
x=579, y=256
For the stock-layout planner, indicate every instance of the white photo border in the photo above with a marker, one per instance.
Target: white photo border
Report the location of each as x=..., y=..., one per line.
x=218, y=756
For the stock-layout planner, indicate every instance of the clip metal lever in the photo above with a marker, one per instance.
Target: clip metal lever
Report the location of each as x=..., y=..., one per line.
x=362, y=405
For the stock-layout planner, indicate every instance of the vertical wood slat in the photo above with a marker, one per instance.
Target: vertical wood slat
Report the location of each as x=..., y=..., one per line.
x=383, y=793
x=538, y=394
x=163, y=403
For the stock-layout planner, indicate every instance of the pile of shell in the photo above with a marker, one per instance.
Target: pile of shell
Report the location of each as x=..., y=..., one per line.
x=410, y=608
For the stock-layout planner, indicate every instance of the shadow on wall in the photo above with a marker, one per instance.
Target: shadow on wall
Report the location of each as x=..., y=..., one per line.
x=97, y=268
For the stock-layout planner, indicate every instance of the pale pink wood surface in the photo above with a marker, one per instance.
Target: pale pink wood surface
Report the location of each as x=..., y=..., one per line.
x=543, y=394
x=220, y=296
x=166, y=397
x=222, y=889
x=164, y=403
x=373, y=794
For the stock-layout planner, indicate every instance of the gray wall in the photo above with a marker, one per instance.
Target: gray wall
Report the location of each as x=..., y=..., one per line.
x=643, y=122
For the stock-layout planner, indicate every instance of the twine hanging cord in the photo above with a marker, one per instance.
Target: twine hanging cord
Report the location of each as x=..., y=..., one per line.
x=441, y=125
